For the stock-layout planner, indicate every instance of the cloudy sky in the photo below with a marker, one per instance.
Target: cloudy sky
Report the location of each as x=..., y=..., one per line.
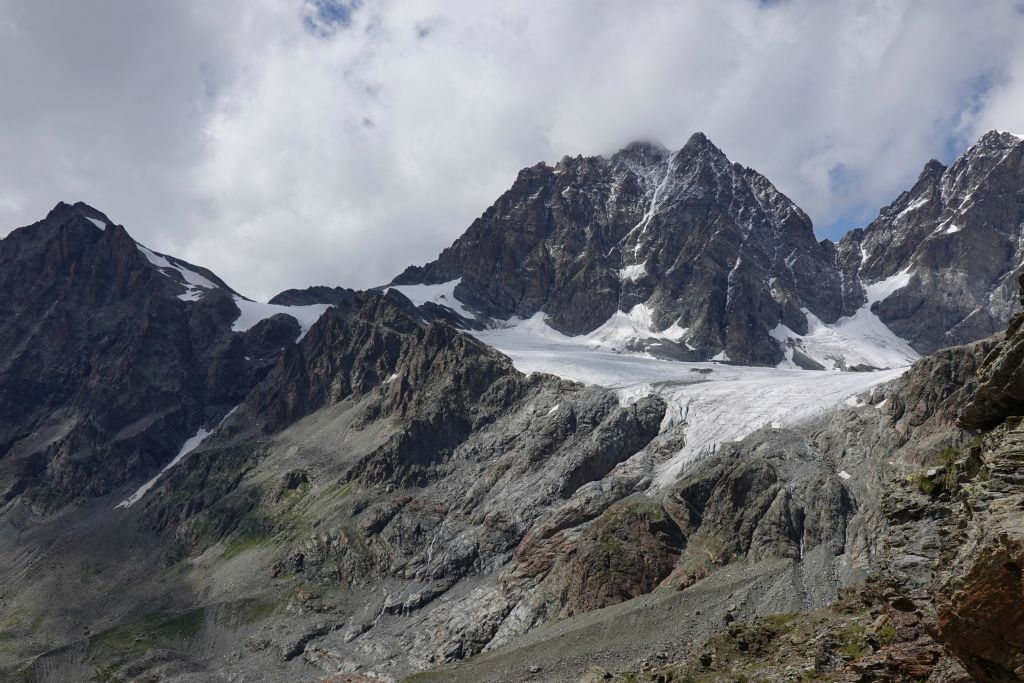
x=291, y=142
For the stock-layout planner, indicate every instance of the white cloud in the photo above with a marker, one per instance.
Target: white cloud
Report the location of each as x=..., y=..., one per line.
x=231, y=135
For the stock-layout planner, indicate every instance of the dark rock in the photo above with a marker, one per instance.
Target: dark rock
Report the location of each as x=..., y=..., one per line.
x=957, y=231
x=707, y=244
x=318, y=294
x=106, y=370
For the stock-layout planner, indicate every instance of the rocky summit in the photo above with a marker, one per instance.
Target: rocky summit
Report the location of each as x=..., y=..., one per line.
x=956, y=239
x=636, y=424
x=708, y=249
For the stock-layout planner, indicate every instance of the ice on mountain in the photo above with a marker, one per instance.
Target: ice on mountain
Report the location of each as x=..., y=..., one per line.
x=623, y=329
x=442, y=294
x=711, y=403
x=916, y=204
x=196, y=282
x=634, y=272
x=253, y=312
x=860, y=339
x=190, y=445
x=881, y=290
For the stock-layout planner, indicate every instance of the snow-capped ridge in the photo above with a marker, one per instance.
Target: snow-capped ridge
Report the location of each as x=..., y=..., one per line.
x=442, y=294
x=195, y=283
x=250, y=312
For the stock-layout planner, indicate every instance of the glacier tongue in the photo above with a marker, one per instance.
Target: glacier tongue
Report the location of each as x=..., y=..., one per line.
x=712, y=403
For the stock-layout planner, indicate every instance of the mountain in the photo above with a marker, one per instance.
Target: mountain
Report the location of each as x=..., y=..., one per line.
x=681, y=254
x=114, y=355
x=522, y=461
x=710, y=252
x=956, y=242
x=687, y=255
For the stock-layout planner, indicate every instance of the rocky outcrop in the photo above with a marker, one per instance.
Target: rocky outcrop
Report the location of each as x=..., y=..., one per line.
x=1001, y=377
x=313, y=295
x=927, y=402
x=980, y=593
x=860, y=638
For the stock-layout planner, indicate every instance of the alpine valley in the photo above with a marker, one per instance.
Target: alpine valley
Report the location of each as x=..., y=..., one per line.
x=636, y=424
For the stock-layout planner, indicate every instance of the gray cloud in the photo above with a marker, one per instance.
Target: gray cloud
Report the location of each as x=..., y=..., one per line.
x=285, y=143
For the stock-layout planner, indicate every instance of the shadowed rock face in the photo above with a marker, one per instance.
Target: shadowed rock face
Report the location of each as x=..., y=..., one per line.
x=105, y=370
x=313, y=295
x=706, y=243
x=980, y=592
x=1001, y=377
x=960, y=231
x=980, y=598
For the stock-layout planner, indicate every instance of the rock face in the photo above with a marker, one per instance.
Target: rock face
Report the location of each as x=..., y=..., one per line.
x=959, y=234
x=717, y=259
x=313, y=295
x=980, y=594
x=112, y=356
x=706, y=245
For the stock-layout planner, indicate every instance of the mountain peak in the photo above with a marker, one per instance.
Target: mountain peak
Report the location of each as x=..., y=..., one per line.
x=1001, y=138
x=700, y=141
x=651, y=147
x=933, y=169
x=699, y=138
x=64, y=211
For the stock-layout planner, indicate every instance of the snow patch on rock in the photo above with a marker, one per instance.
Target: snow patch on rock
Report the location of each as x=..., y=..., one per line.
x=913, y=206
x=623, y=329
x=861, y=339
x=442, y=294
x=253, y=312
x=192, y=443
x=196, y=284
x=634, y=272
x=883, y=289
